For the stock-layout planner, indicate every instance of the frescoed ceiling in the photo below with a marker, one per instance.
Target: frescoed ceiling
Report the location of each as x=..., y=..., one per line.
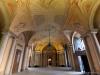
x=8, y=9
x=40, y=16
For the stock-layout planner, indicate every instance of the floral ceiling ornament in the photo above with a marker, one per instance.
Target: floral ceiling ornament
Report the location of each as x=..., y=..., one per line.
x=23, y=3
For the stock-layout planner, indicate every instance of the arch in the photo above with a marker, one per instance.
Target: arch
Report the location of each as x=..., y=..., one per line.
x=21, y=40
x=40, y=46
x=93, y=12
x=5, y=16
x=19, y=50
x=77, y=36
x=79, y=51
x=27, y=36
x=49, y=56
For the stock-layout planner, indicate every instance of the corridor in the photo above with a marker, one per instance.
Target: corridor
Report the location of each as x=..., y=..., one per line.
x=49, y=37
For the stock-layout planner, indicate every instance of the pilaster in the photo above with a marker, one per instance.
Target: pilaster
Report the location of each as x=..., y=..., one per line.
x=92, y=52
x=73, y=57
x=7, y=44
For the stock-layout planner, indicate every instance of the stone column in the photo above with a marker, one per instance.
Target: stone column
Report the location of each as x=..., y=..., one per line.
x=26, y=61
x=73, y=58
x=88, y=55
x=28, y=57
x=23, y=57
x=10, y=59
x=96, y=40
x=40, y=62
x=92, y=49
x=37, y=59
x=3, y=45
x=70, y=58
x=7, y=45
x=58, y=58
x=33, y=56
x=66, y=58
x=61, y=59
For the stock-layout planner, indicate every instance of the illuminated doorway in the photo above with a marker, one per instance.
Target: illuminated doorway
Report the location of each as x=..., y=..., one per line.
x=49, y=57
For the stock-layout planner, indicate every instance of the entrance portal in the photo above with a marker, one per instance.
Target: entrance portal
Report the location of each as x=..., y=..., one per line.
x=49, y=57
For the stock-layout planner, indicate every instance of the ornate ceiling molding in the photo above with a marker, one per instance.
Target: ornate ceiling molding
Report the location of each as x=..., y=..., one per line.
x=54, y=13
x=46, y=3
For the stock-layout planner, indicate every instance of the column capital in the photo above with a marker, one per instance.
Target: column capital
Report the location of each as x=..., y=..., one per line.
x=9, y=34
x=94, y=31
x=90, y=32
x=87, y=34
x=70, y=45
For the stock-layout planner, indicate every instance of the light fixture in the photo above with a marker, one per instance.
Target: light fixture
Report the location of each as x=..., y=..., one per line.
x=49, y=44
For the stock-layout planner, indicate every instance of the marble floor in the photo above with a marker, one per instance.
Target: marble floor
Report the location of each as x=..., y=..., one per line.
x=48, y=71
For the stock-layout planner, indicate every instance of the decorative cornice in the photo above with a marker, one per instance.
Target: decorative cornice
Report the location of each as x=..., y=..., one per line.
x=89, y=32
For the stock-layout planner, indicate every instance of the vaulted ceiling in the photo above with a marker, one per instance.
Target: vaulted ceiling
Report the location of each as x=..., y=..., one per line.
x=56, y=16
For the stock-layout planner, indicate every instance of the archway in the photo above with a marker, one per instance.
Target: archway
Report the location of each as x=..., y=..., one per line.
x=79, y=51
x=96, y=20
x=93, y=14
x=49, y=56
x=18, y=54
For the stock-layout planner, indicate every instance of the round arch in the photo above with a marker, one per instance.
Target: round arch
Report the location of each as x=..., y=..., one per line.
x=79, y=52
x=93, y=12
x=4, y=11
x=78, y=42
x=49, y=56
x=21, y=41
x=75, y=34
x=40, y=46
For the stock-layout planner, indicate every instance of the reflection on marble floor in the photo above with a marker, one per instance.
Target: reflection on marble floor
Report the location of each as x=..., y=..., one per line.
x=49, y=71
x=53, y=71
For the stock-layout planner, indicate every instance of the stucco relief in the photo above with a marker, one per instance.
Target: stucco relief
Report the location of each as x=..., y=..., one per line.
x=46, y=3
x=76, y=13
x=79, y=11
x=83, y=5
x=11, y=8
x=22, y=22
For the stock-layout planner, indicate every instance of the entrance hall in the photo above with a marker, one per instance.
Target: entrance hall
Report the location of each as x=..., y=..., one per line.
x=49, y=37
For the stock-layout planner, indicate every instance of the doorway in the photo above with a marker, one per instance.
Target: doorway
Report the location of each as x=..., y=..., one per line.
x=49, y=57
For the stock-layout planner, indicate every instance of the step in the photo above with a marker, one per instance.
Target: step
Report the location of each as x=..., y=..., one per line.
x=51, y=69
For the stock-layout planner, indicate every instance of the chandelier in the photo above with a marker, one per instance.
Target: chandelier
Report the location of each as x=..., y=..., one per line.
x=49, y=44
